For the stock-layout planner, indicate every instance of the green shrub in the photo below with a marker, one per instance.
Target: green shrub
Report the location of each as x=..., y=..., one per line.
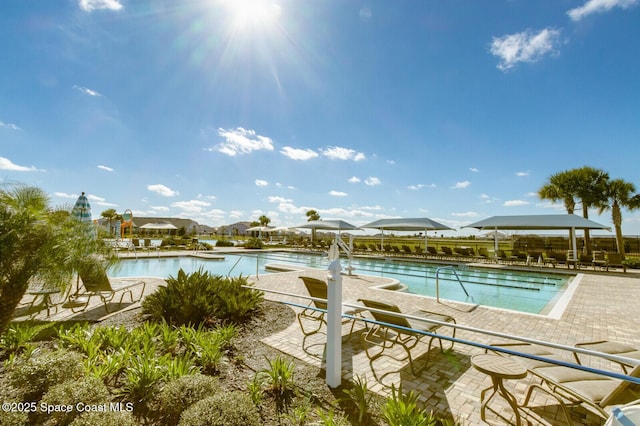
x=279, y=376
x=17, y=337
x=185, y=300
x=222, y=409
x=199, y=297
x=233, y=302
x=632, y=262
x=35, y=376
x=180, y=394
x=87, y=390
x=253, y=243
x=14, y=418
x=224, y=243
x=402, y=410
x=110, y=418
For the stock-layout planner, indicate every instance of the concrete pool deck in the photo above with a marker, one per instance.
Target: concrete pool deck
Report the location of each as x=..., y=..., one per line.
x=604, y=306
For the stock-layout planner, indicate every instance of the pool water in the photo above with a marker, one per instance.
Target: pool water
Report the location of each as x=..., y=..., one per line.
x=522, y=291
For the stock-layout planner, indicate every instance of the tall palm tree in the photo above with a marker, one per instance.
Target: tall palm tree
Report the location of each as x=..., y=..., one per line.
x=38, y=243
x=562, y=186
x=617, y=194
x=264, y=220
x=109, y=214
x=311, y=216
x=590, y=189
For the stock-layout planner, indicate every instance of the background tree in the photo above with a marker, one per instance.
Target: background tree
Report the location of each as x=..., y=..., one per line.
x=618, y=194
x=563, y=187
x=311, y=216
x=110, y=215
x=264, y=220
x=590, y=188
x=38, y=243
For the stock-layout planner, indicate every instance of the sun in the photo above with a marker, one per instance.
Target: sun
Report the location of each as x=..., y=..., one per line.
x=253, y=14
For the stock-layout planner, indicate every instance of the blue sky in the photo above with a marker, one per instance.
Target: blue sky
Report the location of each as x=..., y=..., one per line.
x=222, y=111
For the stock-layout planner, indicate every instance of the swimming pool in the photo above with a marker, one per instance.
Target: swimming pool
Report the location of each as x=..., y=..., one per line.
x=523, y=291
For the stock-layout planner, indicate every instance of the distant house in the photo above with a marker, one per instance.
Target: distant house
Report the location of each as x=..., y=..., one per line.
x=191, y=227
x=238, y=228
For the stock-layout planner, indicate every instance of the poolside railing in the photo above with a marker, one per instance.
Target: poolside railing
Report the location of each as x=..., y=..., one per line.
x=448, y=267
x=567, y=348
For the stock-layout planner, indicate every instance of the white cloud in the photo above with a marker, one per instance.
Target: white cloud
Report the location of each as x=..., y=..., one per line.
x=461, y=185
x=241, y=141
x=274, y=199
x=65, y=195
x=354, y=179
x=524, y=47
x=260, y=182
x=365, y=13
x=108, y=169
x=161, y=208
x=338, y=193
x=416, y=187
x=10, y=126
x=87, y=91
x=191, y=206
x=340, y=153
x=514, y=203
x=298, y=154
x=6, y=164
x=598, y=6
x=162, y=190
x=372, y=181
x=91, y=5
x=521, y=174
x=465, y=214
x=474, y=169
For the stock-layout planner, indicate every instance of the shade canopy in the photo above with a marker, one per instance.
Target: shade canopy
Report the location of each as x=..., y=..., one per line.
x=330, y=225
x=260, y=229
x=537, y=222
x=82, y=209
x=407, y=224
x=161, y=226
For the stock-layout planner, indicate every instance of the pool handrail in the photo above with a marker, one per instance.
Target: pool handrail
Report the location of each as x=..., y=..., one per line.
x=438, y=281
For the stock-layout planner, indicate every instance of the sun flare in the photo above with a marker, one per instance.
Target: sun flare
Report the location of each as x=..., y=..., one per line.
x=251, y=14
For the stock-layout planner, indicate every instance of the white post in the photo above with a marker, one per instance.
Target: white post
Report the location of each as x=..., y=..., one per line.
x=334, y=325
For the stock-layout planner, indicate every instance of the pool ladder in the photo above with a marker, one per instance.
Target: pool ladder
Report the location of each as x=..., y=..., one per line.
x=438, y=281
x=238, y=261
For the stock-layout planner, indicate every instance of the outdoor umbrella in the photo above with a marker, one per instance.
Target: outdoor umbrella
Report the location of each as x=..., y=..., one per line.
x=330, y=225
x=82, y=209
x=538, y=222
x=407, y=224
x=260, y=230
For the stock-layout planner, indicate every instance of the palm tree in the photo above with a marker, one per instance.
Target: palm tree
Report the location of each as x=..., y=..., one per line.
x=563, y=187
x=38, y=243
x=618, y=194
x=311, y=216
x=264, y=220
x=590, y=189
x=110, y=214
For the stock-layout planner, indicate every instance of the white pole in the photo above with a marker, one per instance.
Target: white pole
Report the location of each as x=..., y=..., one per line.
x=575, y=245
x=334, y=325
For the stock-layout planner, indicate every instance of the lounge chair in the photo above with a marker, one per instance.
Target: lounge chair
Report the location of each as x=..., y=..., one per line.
x=318, y=289
x=615, y=260
x=599, y=259
x=96, y=283
x=391, y=330
x=613, y=348
x=483, y=254
x=576, y=386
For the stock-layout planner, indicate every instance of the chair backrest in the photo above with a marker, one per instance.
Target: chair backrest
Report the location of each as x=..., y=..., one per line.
x=598, y=255
x=482, y=251
x=431, y=250
x=382, y=317
x=316, y=288
x=94, y=278
x=614, y=259
x=619, y=390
